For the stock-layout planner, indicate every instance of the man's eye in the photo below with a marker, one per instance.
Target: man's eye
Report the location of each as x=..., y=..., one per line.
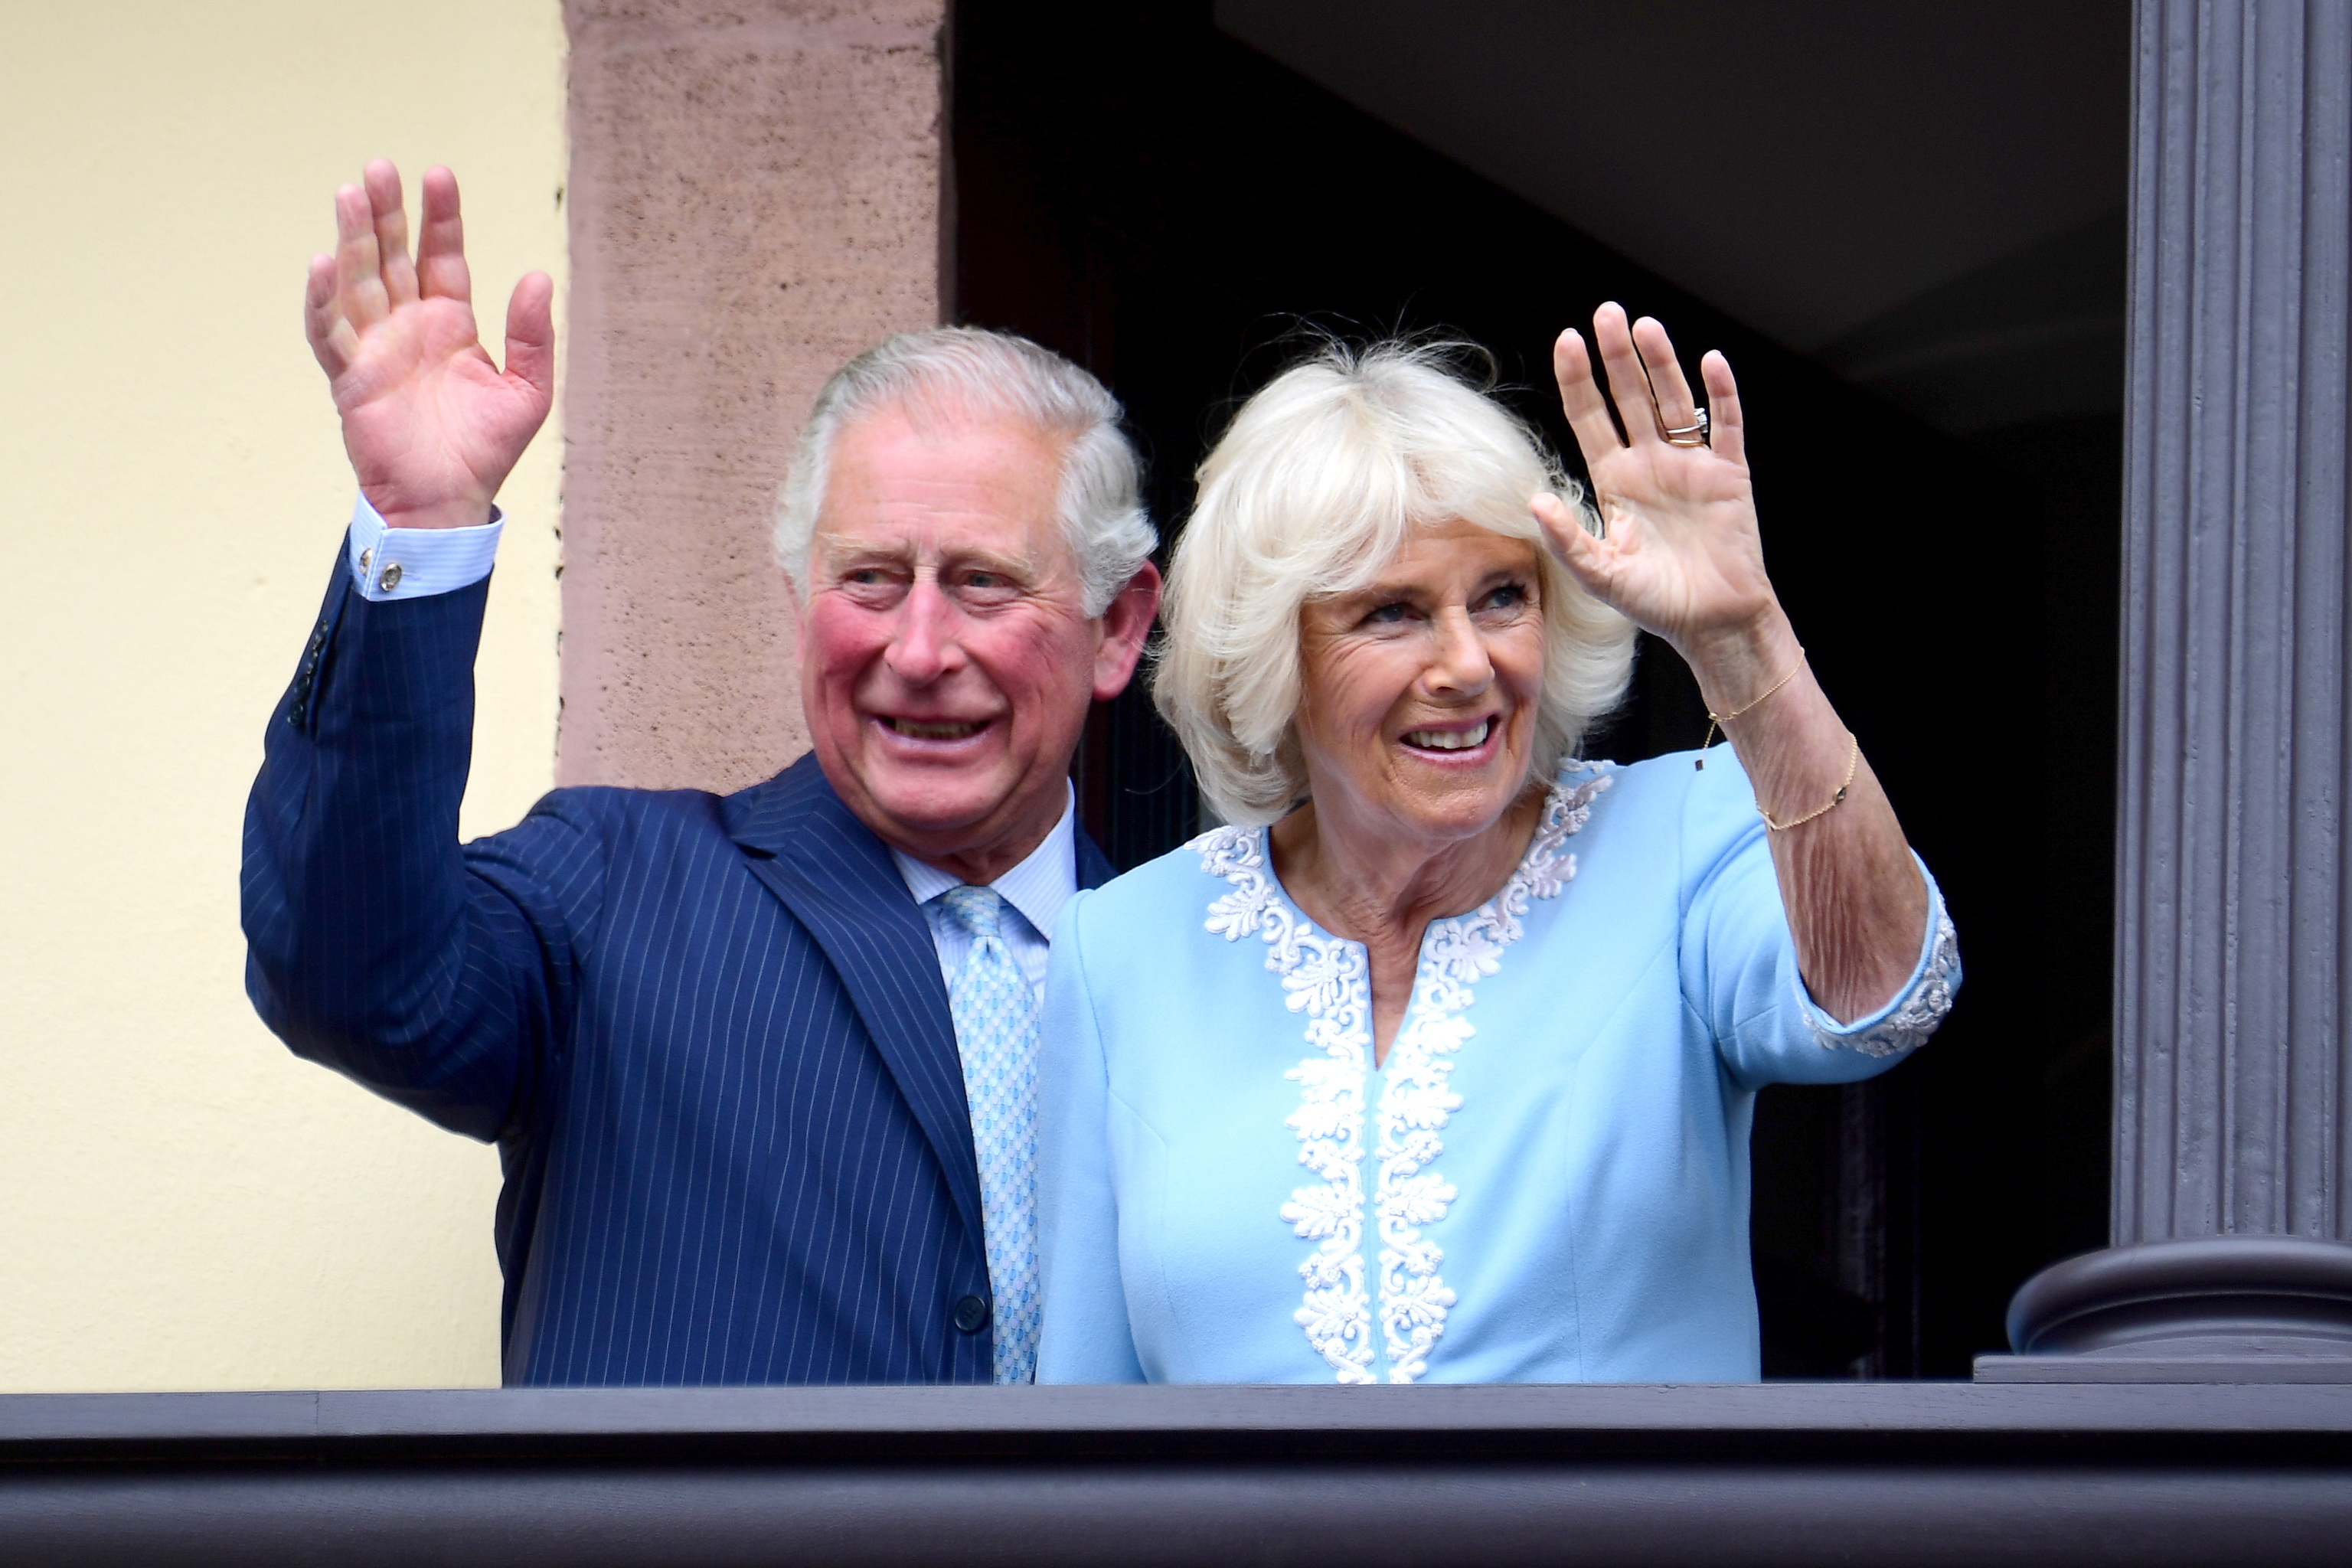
x=987, y=587
x=866, y=575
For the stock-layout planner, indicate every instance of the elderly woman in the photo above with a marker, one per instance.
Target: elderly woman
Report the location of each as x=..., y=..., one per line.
x=1439, y=1063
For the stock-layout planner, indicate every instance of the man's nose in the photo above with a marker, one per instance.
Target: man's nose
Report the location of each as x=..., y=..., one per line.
x=925, y=647
x=1458, y=664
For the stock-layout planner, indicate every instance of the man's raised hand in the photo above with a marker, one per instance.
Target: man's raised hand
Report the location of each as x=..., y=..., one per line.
x=431, y=426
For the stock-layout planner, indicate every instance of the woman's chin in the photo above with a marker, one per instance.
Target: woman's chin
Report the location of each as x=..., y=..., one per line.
x=1451, y=809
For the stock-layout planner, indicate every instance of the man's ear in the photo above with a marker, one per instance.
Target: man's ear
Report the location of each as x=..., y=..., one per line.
x=1126, y=623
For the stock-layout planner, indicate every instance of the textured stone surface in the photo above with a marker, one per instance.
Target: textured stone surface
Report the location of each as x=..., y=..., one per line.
x=754, y=197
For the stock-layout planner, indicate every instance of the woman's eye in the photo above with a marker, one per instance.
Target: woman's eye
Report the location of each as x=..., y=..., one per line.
x=1510, y=596
x=1386, y=616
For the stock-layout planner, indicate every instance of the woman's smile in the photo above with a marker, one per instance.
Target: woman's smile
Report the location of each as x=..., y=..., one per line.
x=1445, y=737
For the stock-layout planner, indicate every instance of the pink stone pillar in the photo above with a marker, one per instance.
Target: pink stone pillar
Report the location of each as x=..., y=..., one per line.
x=755, y=195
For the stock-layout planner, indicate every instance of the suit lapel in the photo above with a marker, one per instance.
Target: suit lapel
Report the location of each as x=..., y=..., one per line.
x=839, y=880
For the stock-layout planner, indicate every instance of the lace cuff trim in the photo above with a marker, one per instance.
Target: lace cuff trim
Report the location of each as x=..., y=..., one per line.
x=1907, y=1021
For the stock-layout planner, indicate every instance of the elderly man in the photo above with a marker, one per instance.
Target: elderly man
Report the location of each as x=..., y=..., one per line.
x=761, y=1069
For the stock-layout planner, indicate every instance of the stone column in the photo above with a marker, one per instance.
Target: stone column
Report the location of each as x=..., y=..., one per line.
x=2233, y=937
x=755, y=195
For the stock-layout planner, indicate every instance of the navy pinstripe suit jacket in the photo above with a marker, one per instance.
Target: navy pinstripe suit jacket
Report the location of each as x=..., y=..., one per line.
x=709, y=1035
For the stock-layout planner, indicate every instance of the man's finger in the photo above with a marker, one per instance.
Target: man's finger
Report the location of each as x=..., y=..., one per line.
x=320, y=317
x=1627, y=383
x=1581, y=400
x=1725, y=432
x=530, y=332
x=358, y=282
x=391, y=232
x=441, y=240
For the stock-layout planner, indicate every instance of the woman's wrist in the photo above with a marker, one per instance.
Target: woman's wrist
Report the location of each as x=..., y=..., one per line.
x=1735, y=664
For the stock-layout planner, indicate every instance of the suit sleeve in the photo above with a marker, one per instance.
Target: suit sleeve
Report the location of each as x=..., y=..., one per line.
x=1085, y=1336
x=438, y=975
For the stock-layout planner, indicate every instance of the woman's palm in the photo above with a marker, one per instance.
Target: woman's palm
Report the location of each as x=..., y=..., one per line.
x=1679, y=554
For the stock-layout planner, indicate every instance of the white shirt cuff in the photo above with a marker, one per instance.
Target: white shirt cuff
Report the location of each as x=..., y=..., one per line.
x=414, y=562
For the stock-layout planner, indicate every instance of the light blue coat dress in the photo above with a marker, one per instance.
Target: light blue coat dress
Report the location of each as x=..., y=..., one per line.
x=1547, y=1181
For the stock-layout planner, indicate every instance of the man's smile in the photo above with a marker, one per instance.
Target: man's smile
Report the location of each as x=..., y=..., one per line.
x=934, y=728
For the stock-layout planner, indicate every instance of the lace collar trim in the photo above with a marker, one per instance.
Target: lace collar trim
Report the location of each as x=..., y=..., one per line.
x=1328, y=979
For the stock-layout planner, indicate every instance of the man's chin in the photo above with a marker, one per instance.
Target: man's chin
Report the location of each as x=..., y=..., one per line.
x=937, y=809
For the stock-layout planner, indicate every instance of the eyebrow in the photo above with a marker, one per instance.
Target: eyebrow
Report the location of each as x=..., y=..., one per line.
x=839, y=554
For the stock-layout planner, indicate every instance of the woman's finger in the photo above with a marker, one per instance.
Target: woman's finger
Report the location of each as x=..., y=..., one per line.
x=1588, y=560
x=441, y=240
x=391, y=232
x=1627, y=382
x=1725, y=432
x=1670, y=391
x=1580, y=399
x=359, y=280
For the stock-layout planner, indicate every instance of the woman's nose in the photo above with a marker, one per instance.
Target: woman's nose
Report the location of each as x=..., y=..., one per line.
x=1458, y=662
x=925, y=647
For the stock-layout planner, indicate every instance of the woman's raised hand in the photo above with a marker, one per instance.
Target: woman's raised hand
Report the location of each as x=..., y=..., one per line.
x=1681, y=556
x=431, y=424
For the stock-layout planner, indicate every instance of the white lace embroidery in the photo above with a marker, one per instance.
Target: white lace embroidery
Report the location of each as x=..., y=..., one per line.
x=1328, y=978
x=1905, y=1028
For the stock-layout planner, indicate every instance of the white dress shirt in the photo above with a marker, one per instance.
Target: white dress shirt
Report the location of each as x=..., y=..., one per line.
x=413, y=562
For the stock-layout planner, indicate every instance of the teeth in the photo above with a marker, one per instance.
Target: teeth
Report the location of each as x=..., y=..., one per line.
x=914, y=730
x=1450, y=740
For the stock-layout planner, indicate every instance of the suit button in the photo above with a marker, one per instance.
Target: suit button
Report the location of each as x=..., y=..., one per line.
x=972, y=1314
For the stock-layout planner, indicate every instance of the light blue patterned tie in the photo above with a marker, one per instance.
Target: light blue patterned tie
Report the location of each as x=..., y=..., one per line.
x=995, y=1015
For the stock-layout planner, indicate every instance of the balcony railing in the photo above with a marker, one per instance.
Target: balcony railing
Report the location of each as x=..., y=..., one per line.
x=1917, y=1474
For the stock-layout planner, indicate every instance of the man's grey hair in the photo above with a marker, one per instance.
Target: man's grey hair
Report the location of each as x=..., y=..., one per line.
x=945, y=374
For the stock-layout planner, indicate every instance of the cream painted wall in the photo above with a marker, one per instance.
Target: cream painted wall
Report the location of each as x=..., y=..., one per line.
x=182, y=1205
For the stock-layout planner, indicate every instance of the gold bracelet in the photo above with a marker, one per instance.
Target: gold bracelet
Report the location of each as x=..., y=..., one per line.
x=1716, y=721
x=1852, y=761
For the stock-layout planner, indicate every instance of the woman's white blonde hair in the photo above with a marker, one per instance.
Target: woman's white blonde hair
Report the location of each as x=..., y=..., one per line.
x=1314, y=487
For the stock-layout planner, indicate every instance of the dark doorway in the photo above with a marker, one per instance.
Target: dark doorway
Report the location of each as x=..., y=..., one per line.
x=1170, y=206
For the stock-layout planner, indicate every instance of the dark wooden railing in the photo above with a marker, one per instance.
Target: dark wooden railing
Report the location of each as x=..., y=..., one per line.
x=1918, y=1474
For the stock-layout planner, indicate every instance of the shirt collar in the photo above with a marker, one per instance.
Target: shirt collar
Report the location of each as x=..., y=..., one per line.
x=1038, y=887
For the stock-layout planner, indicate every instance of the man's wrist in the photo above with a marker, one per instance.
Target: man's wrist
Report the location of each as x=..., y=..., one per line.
x=453, y=514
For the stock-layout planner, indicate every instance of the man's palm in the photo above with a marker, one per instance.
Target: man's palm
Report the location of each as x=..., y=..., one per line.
x=431, y=426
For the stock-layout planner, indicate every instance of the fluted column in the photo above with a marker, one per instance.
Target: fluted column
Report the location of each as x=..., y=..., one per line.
x=2232, y=1153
